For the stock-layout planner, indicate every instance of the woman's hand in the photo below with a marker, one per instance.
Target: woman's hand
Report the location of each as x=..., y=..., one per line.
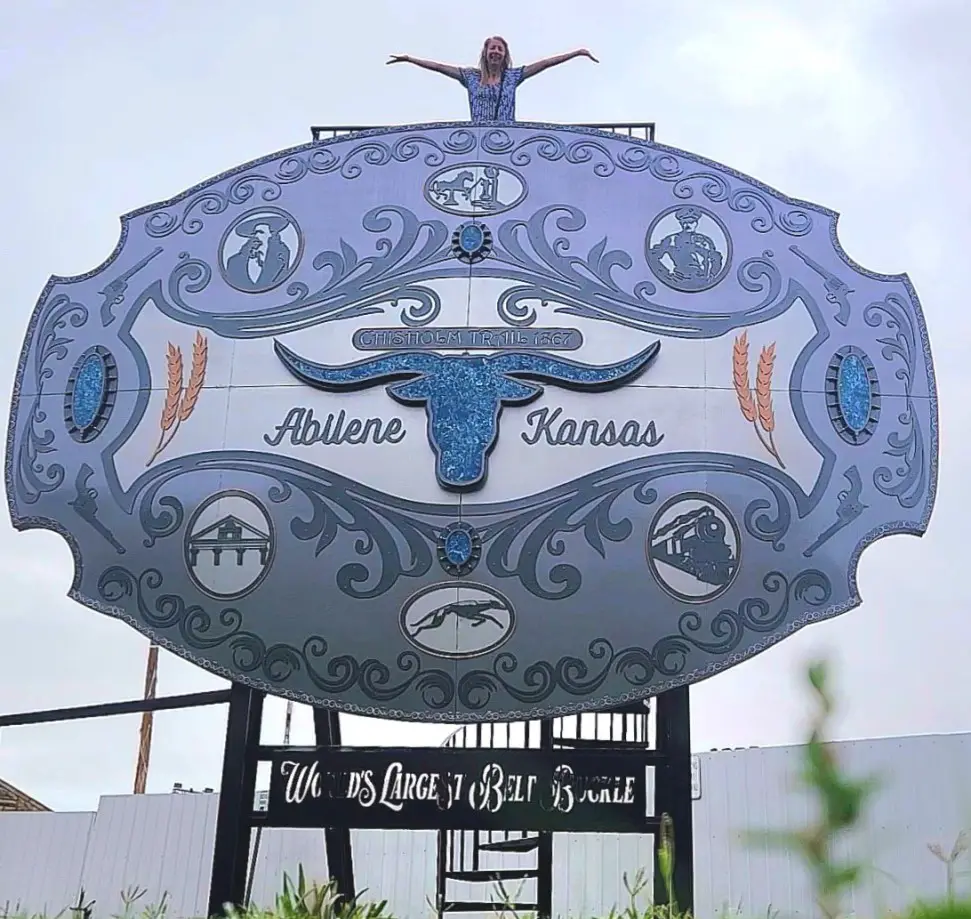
x=398, y=59
x=583, y=52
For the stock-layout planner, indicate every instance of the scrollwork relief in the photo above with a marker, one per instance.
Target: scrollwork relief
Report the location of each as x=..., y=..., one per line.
x=200, y=630
x=352, y=285
x=390, y=541
x=160, y=516
x=586, y=286
x=550, y=147
x=203, y=631
x=394, y=539
x=639, y=667
x=210, y=202
x=908, y=481
x=537, y=525
x=524, y=250
x=606, y=160
x=35, y=474
x=213, y=201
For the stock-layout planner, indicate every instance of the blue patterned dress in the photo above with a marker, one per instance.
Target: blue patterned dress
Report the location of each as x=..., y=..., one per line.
x=492, y=102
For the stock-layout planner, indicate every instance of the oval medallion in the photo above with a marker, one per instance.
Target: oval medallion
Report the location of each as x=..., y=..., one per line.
x=475, y=188
x=471, y=242
x=853, y=395
x=229, y=545
x=260, y=250
x=693, y=547
x=470, y=239
x=90, y=395
x=688, y=248
x=457, y=620
x=459, y=548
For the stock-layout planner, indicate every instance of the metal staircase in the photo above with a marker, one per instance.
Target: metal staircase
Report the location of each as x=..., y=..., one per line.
x=488, y=871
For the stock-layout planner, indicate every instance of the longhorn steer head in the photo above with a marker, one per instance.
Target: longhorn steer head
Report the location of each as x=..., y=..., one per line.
x=463, y=395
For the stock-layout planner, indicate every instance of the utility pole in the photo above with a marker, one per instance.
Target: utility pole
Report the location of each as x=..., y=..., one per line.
x=145, y=734
x=286, y=724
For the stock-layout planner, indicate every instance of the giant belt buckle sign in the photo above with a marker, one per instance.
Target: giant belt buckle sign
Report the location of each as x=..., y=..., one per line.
x=454, y=422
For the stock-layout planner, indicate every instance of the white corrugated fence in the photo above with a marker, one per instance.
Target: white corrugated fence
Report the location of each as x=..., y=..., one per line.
x=163, y=843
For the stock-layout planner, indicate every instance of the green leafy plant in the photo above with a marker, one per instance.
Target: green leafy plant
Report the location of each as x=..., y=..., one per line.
x=83, y=908
x=130, y=896
x=948, y=909
x=957, y=850
x=665, y=862
x=841, y=800
x=314, y=901
x=636, y=888
x=506, y=901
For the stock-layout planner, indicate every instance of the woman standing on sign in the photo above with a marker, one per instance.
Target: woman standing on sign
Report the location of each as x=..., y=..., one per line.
x=492, y=85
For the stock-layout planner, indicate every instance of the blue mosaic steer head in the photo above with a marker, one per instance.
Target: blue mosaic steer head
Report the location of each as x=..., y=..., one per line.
x=463, y=395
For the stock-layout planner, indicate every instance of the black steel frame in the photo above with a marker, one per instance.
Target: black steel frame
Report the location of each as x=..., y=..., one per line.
x=237, y=817
x=671, y=759
x=104, y=709
x=642, y=129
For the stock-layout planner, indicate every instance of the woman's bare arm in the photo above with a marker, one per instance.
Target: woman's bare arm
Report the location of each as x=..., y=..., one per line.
x=530, y=70
x=448, y=69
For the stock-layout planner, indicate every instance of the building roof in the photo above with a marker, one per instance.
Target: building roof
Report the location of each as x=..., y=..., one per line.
x=13, y=799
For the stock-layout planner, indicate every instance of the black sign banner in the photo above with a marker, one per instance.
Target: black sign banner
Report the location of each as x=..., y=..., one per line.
x=454, y=788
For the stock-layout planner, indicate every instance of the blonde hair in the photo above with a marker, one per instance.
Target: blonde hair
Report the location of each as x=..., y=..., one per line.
x=506, y=61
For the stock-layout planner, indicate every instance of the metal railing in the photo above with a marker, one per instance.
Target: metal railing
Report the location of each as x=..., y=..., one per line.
x=640, y=129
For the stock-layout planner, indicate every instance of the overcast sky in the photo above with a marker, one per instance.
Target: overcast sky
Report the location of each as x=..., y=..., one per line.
x=860, y=105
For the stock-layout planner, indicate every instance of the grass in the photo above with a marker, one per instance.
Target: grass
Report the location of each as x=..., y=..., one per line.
x=841, y=801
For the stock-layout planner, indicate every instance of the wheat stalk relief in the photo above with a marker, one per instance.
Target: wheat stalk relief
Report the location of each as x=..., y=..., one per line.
x=759, y=410
x=180, y=402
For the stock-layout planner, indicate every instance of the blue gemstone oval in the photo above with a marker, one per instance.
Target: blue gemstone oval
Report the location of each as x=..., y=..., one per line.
x=471, y=238
x=90, y=389
x=458, y=547
x=853, y=393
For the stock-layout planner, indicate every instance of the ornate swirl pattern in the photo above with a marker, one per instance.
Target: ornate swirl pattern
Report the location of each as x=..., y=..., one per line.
x=744, y=200
x=160, y=516
x=195, y=625
x=524, y=250
x=204, y=631
x=640, y=667
x=35, y=476
x=352, y=285
x=606, y=160
x=585, y=506
x=390, y=542
x=375, y=520
x=210, y=202
x=213, y=201
x=586, y=286
x=394, y=540
x=908, y=481
x=637, y=667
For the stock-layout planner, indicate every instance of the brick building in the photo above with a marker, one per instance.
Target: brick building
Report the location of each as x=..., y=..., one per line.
x=13, y=799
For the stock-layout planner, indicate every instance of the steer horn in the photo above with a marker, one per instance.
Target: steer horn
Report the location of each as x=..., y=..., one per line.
x=360, y=374
x=568, y=374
